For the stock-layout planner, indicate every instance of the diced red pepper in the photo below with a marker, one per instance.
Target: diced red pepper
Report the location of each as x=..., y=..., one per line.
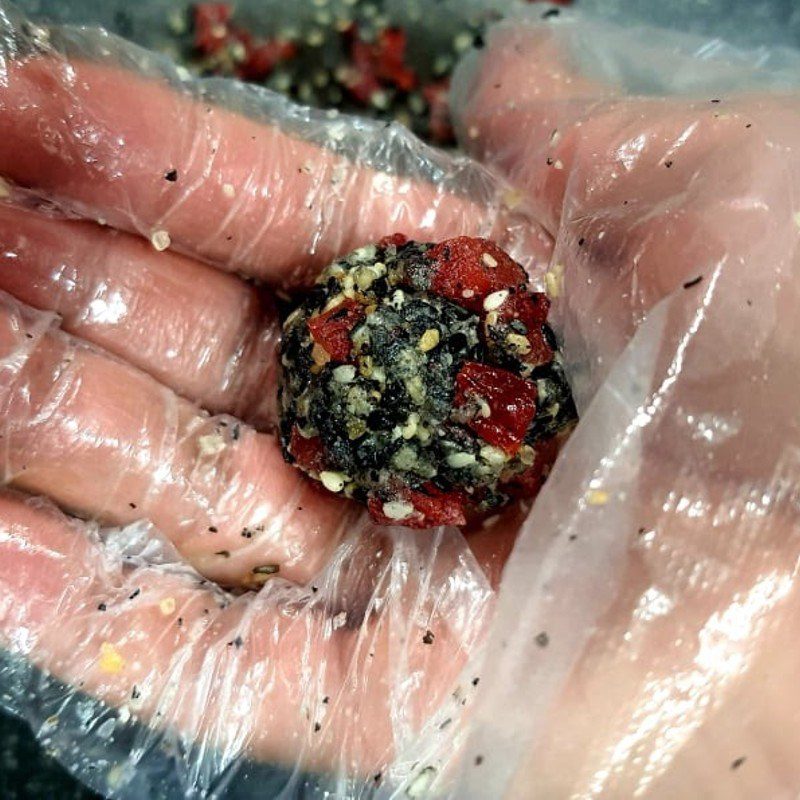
x=511, y=401
x=211, y=26
x=432, y=508
x=529, y=483
x=390, y=53
x=378, y=64
x=473, y=266
x=331, y=330
x=307, y=452
x=397, y=239
x=263, y=56
x=440, y=127
x=530, y=309
x=364, y=82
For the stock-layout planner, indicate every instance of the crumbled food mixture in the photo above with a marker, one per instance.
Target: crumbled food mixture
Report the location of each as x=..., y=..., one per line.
x=348, y=54
x=424, y=381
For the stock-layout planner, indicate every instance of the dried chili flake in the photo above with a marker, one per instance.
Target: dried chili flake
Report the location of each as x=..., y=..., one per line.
x=211, y=29
x=511, y=401
x=467, y=269
x=331, y=329
x=440, y=126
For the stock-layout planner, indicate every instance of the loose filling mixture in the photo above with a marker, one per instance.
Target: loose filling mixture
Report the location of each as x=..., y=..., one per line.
x=424, y=381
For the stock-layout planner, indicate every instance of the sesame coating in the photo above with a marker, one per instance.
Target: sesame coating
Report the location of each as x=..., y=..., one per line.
x=401, y=394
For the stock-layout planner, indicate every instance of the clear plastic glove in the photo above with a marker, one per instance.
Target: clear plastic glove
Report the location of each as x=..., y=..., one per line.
x=653, y=585
x=138, y=381
x=661, y=558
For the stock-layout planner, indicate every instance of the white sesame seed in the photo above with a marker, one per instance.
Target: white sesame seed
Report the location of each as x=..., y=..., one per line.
x=597, y=497
x=462, y=42
x=493, y=301
x=429, y=340
x=421, y=783
x=160, y=239
x=5, y=189
x=459, y=460
x=211, y=444
x=167, y=606
x=344, y=374
x=333, y=481
x=467, y=293
x=228, y=190
x=489, y=260
x=493, y=455
x=558, y=164
x=398, y=509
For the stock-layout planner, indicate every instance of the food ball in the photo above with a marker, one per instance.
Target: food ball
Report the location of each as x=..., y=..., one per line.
x=423, y=380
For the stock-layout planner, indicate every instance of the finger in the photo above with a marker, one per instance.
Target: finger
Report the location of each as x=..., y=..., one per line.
x=268, y=676
x=517, y=104
x=644, y=195
x=207, y=335
x=246, y=195
x=107, y=441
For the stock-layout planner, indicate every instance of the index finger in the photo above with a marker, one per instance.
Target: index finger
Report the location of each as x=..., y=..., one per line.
x=251, y=196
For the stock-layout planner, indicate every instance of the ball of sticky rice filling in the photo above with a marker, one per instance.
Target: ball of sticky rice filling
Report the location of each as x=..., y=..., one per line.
x=423, y=381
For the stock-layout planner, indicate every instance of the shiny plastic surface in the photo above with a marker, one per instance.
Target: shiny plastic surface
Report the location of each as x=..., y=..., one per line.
x=644, y=641
x=641, y=641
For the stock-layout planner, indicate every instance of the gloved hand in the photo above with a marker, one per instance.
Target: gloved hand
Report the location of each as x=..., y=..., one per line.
x=148, y=404
x=654, y=578
x=661, y=558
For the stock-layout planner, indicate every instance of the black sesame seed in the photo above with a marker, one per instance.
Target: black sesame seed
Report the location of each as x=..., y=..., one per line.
x=542, y=639
x=692, y=282
x=171, y=175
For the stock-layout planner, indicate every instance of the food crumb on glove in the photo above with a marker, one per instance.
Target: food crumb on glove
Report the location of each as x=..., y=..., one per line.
x=423, y=380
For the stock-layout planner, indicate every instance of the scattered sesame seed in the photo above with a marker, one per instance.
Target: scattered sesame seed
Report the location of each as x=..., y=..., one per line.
x=160, y=239
x=111, y=660
x=167, y=606
x=228, y=190
x=489, y=260
x=597, y=497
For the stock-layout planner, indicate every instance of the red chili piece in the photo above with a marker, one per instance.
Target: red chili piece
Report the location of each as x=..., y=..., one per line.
x=511, y=400
x=331, y=330
x=213, y=31
x=432, y=508
x=308, y=453
x=475, y=266
x=378, y=64
x=530, y=309
x=211, y=26
x=397, y=239
x=263, y=56
x=440, y=127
